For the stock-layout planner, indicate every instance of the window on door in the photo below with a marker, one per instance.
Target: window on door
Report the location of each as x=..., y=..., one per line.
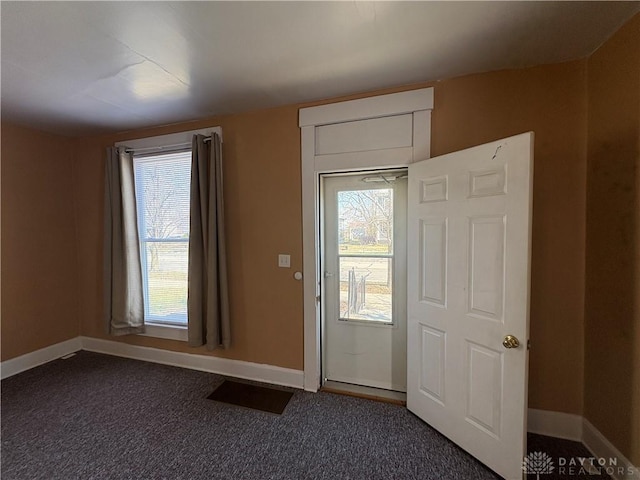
x=162, y=197
x=365, y=254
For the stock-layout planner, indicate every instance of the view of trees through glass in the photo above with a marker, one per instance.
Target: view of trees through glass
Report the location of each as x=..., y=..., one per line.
x=365, y=251
x=162, y=196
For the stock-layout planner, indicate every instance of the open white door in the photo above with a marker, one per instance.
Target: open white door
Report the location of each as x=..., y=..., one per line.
x=468, y=245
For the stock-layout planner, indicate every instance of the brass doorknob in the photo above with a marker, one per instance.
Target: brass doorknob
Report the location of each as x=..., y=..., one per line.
x=510, y=342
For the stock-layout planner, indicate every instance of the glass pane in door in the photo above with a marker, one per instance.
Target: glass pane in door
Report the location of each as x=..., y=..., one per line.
x=365, y=254
x=365, y=221
x=366, y=289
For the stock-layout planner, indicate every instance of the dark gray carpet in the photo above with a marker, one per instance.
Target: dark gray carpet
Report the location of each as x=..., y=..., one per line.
x=566, y=450
x=101, y=417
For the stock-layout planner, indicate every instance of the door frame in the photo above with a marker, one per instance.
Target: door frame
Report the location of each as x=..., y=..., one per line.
x=315, y=124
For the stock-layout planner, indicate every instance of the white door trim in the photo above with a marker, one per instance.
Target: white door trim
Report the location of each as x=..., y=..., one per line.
x=370, y=107
x=419, y=103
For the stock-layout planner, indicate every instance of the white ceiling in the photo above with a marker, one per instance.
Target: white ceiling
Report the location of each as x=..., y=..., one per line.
x=76, y=68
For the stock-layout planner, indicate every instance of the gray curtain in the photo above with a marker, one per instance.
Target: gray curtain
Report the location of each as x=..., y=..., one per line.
x=208, y=304
x=123, y=298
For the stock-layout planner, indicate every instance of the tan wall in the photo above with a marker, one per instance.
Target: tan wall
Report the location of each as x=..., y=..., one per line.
x=612, y=318
x=39, y=297
x=263, y=200
x=263, y=212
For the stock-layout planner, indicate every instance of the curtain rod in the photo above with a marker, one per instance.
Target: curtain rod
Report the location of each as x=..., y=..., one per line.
x=163, y=147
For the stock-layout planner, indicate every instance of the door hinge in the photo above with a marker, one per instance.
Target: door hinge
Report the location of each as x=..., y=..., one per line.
x=317, y=298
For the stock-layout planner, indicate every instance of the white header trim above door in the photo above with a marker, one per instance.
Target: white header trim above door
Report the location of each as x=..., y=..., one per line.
x=371, y=107
x=419, y=104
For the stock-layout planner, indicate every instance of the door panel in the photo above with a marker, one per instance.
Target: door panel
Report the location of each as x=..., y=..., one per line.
x=433, y=260
x=469, y=228
x=486, y=276
x=484, y=387
x=433, y=353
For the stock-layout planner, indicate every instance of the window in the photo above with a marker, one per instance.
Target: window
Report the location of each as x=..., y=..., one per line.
x=162, y=170
x=365, y=254
x=162, y=196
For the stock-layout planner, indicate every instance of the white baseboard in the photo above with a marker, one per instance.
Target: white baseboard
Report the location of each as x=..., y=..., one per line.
x=30, y=360
x=579, y=429
x=206, y=363
x=602, y=448
x=555, y=424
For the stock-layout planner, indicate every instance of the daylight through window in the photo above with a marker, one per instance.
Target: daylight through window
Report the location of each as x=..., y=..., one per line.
x=162, y=196
x=365, y=239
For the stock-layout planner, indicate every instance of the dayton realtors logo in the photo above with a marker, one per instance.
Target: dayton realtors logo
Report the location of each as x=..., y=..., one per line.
x=537, y=463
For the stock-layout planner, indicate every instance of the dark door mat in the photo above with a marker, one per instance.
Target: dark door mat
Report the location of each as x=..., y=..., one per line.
x=252, y=396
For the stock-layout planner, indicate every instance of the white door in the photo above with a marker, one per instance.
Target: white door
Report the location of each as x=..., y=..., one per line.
x=469, y=230
x=364, y=288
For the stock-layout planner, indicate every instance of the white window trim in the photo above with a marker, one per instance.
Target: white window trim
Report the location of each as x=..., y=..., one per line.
x=163, y=141
x=169, y=332
x=160, y=143
x=417, y=102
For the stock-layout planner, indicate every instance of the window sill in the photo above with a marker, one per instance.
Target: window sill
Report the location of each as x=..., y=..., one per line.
x=169, y=332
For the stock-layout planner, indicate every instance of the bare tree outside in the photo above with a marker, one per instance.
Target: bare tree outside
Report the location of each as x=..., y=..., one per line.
x=163, y=190
x=365, y=231
x=366, y=217
x=163, y=215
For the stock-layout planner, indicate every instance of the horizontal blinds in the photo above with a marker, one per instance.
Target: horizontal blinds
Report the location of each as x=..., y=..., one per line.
x=162, y=184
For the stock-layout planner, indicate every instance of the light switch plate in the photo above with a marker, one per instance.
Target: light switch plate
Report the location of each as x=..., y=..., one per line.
x=284, y=261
